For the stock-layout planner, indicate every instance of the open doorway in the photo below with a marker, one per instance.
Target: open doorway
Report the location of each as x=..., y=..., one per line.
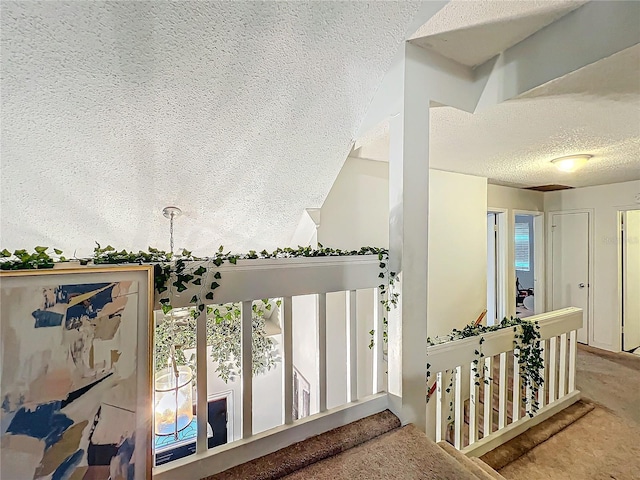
x=528, y=260
x=629, y=267
x=496, y=266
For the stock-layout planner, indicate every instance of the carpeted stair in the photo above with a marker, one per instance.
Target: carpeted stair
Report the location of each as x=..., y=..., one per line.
x=374, y=447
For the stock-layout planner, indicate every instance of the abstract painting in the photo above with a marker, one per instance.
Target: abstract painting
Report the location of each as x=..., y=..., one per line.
x=74, y=374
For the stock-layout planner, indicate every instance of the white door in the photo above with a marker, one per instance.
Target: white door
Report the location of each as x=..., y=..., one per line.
x=570, y=265
x=631, y=280
x=492, y=271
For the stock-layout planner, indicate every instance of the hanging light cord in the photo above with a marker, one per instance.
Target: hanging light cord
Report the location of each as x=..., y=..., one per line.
x=171, y=232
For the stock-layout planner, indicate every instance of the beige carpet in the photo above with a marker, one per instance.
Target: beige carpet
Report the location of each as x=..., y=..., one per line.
x=403, y=454
x=598, y=446
x=311, y=450
x=612, y=380
x=605, y=443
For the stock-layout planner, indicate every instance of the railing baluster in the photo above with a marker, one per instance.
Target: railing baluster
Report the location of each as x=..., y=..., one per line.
x=488, y=397
x=562, y=387
x=439, y=407
x=515, y=410
x=379, y=384
x=322, y=351
x=502, y=392
x=573, y=347
x=552, y=368
x=458, y=406
x=287, y=361
x=247, y=370
x=473, y=402
x=201, y=377
x=352, y=347
x=542, y=388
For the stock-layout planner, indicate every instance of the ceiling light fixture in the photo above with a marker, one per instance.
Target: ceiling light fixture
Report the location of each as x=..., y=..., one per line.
x=570, y=163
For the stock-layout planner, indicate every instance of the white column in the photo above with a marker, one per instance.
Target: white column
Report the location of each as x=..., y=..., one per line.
x=408, y=230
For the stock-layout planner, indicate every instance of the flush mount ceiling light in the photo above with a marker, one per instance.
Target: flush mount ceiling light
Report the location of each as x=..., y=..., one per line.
x=570, y=163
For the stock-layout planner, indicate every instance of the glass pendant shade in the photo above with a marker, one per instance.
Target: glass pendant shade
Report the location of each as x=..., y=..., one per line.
x=173, y=408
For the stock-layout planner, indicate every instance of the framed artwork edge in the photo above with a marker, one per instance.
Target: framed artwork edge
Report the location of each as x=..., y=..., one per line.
x=149, y=291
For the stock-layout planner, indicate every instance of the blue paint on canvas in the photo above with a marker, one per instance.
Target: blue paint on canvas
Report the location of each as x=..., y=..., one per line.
x=88, y=308
x=125, y=454
x=66, y=468
x=45, y=318
x=45, y=422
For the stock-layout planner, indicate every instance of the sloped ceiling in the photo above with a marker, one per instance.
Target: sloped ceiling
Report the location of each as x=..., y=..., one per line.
x=240, y=113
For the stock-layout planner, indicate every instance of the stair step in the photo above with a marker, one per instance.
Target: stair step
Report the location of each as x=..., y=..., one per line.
x=467, y=463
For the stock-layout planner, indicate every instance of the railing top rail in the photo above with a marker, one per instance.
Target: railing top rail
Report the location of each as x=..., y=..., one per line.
x=458, y=352
x=268, y=278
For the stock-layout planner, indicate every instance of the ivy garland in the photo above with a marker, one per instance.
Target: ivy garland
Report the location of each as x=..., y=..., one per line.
x=527, y=350
x=177, y=272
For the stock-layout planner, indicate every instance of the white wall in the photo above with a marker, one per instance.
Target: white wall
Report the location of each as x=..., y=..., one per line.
x=356, y=213
x=604, y=201
x=457, y=250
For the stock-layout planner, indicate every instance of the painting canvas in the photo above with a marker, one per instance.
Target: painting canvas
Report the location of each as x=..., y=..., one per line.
x=74, y=375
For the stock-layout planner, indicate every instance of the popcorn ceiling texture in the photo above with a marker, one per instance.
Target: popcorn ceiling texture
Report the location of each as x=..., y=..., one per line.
x=240, y=113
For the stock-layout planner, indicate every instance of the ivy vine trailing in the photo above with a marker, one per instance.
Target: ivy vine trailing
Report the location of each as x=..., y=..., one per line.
x=527, y=349
x=175, y=273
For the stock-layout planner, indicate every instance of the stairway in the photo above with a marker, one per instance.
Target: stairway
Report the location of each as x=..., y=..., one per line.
x=374, y=447
x=495, y=402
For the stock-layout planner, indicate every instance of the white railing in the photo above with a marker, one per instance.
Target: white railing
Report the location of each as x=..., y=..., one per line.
x=461, y=398
x=287, y=279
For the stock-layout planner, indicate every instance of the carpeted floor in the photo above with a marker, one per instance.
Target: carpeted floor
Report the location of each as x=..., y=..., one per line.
x=403, y=454
x=603, y=444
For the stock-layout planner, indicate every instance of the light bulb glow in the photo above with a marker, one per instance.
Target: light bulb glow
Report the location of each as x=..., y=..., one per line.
x=570, y=163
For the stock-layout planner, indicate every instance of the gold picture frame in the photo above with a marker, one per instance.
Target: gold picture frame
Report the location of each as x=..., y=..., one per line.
x=76, y=372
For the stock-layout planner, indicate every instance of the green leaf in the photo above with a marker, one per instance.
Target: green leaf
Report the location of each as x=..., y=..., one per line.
x=220, y=249
x=197, y=281
x=5, y=253
x=41, y=249
x=209, y=296
x=200, y=271
x=381, y=275
x=201, y=307
x=194, y=299
x=166, y=309
x=57, y=251
x=233, y=260
x=214, y=285
x=217, y=276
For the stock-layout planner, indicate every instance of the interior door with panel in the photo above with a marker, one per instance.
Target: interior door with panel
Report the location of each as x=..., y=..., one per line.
x=630, y=280
x=570, y=265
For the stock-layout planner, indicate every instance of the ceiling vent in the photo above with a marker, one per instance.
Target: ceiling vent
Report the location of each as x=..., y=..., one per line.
x=549, y=188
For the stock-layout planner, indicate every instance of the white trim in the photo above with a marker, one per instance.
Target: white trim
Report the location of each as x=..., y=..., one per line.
x=221, y=458
x=539, y=285
x=502, y=260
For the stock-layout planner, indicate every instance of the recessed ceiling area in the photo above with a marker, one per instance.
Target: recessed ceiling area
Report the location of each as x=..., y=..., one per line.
x=473, y=32
x=594, y=110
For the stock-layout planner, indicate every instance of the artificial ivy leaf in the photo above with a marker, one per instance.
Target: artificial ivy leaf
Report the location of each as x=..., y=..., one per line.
x=194, y=299
x=57, y=251
x=200, y=271
x=197, y=281
x=5, y=253
x=201, y=307
x=217, y=262
x=381, y=275
x=41, y=249
x=382, y=264
x=166, y=309
x=164, y=301
x=186, y=253
x=217, y=276
x=214, y=285
x=220, y=249
x=233, y=260
x=209, y=296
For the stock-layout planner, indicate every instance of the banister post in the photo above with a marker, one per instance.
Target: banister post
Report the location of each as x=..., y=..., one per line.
x=408, y=243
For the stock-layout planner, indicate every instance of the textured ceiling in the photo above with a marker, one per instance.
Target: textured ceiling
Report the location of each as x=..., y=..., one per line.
x=473, y=32
x=594, y=110
x=240, y=113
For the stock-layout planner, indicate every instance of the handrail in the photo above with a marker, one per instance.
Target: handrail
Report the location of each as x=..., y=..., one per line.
x=461, y=396
x=269, y=278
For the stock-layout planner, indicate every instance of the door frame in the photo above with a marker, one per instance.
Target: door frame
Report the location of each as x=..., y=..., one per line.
x=621, y=211
x=590, y=267
x=539, y=251
x=502, y=273
x=228, y=394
